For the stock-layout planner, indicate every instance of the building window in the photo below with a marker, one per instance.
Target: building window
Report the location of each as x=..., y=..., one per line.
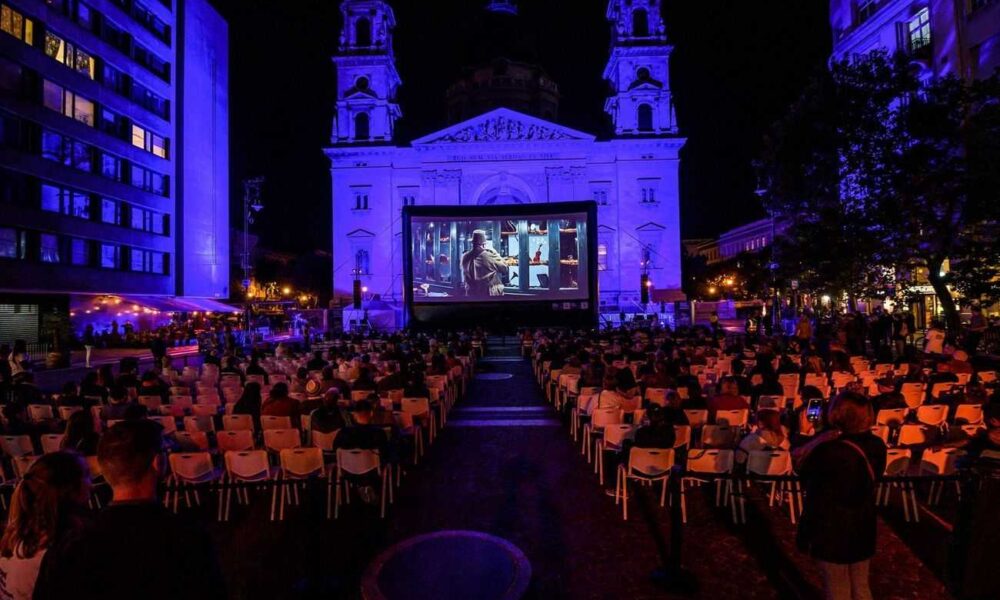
x=110, y=122
x=10, y=243
x=83, y=16
x=111, y=166
x=148, y=180
x=602, y=257
x=68, y=54
x=361, y=126
x=158, y=263
x=109, y=256
x=640, y=23
x=17, y=25
x=362, y=265
x=645, y=117
x=919, y=30
x=79, y=252
x=147, y=261
x=66, y=150
x=361, y=199
x=149, y=141
x=59, y=99
x=48, y=248
x=362, y=32
x=67, y=202
x=110, y=211
x=151, y=61
x=648, y=191
x=10, y=76
x=867, y=8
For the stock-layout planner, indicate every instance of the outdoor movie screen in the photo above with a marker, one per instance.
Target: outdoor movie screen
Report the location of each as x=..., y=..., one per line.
x=499, y=259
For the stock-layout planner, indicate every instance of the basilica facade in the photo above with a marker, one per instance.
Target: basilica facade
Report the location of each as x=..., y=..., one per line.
x=506, y=147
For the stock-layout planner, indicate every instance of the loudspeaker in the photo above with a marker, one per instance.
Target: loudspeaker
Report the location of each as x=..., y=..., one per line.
x=357, y=294
x=644, y=289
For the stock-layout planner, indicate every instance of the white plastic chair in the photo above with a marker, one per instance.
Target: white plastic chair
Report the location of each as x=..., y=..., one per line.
x=598, y=420
x=732, y=418
x=696, y=417
x=939, y=462
x=647, y=465
x=188, y=469
x=196, y=423
x=169, y=424
x=891, y=416
x=357, y=463
x=52, y=442
x=420, y=409
x=772, y=463
x=897, y=464
x=152, y=403
x=934, y=415
x=192, y=441
x=277, y=440
x=240, y=440
x=613, y=440
x=247, y=466
x=704, y=466
x=65, y=412
x=273, y=422
x=16, y=445
x=240, y=423
x=971, y=414
x=719, y=436
x=298, y=465
x=40, y=412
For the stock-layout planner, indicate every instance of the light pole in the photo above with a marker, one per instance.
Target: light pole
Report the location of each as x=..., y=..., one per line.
x=252, y=205
x=763, y=185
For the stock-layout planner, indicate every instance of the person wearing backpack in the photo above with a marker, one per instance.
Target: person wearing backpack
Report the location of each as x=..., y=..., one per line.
x=839, y=469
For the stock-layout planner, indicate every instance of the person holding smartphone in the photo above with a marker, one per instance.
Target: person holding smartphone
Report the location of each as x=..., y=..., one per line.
x=838, y=469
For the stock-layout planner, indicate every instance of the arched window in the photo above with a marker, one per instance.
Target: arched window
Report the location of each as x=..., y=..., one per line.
x=645, y=117
x=361, y=128
x=362, y=32
x=361, y=263
x=640, y=23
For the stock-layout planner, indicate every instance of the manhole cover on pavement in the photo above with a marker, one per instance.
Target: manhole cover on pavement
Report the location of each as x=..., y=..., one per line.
x=448, y=565
x=494, y=376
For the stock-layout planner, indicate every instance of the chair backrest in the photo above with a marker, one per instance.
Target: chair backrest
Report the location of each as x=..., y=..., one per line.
x=710, y=461
x=196, y=423
x=719, y=436
x=151, y=402
x=205, y=410
x=897, y=461
x=324, y=440
x=256, y=378
x=657, y=396
x=605, y=416
x=841, y=379
x=40, y=412
x=65, y=412
x=247, y=464
x=416, y=406
x=239, y=440
x=732, y=418
x=359, y=395
x=180, y=390
x=190, y=465
x=911, y=435
x=273, y=422
x=932, y=414
x=192, y=440
x=696, y=416
x=356, y=461
x=682, y=436
x=650, y=462
x=617, y=434
x=21, y=464
x=239, y=422
x=969, y=413
x=939, y=461
x=169, y=424
x=941, y=388
x=881, y=431
x=16, y=445
x=987, y=376
x=770, y=401
x=301, y=462
x=281, y=439
x=52, y=442
x=769, y=462
x=891, y=416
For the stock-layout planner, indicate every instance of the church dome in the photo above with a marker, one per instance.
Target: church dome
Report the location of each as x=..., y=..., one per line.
x=505, y=71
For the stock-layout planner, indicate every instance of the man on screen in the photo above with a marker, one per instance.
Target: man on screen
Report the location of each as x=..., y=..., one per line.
x=483, y=268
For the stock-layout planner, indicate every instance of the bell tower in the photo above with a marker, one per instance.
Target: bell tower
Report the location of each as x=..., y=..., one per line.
x=639, y=70
x=367, y=80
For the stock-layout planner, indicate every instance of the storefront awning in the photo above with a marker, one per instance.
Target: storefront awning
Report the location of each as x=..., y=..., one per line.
x=163, y=304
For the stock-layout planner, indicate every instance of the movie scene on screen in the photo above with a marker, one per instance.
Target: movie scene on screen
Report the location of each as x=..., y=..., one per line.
x=499, y=259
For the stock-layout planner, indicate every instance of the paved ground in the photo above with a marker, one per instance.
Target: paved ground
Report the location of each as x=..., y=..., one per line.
x=505, y=466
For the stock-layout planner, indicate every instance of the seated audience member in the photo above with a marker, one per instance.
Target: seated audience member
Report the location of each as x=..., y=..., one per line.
x=316, y=363
x=118, y=404
x=770, y=434
x=362, y=434
x=80, y=434
x=46, y=510
x=254, y=368
x=364, y=382
x=24, y=391
x=278, y=404
x=151, y=385
x=659, y=433
x=137, y=548
x=959, y=363
x=232, y=368
x=330, y=380
x=70, y=395
x=250, y=403
x=393, y=379
x=299, y=382
x=16, y=422
x=328, y=418
x=728, y=398
x=610, y=396
x=415, y=386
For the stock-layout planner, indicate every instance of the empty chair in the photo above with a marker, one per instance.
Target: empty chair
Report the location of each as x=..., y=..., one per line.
x=987, y=376
x=934, y=415
x=719, y=436
x=188, y=470
x=704, y=466
x=939, y=461
x=657, y=396
x=841, y=379
x=196, y=423
x=272, y=422
x=277, y=440
x=600, y=418
x=238, y=440
x=152, y=403
x=299, y=464
x=773, y=463
x=696, y=417
x=898, y=464
x=65, y=412
x=205, y=410
x=357, y=463
x=732, y=418
x=912, y=435
x=21, y=464
x=259, y=379
x=971, y=414
x=16, y=445
x=648, y=465
x=241, y=422
x=169, y=424
x=942, y=387
x=192, y=441
x=420, y=408
x=40, y=412
x=322, y=440
x=52, y=442
x=682, y=436
x=613, y=440
x=180, y=390
x=891, y=416
x=247, y=466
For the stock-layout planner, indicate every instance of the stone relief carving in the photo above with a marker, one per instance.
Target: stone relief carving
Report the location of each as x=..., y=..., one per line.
x=503, y=129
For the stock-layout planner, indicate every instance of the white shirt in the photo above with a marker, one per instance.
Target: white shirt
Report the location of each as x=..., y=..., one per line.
x=18, y=576
x=935, y=342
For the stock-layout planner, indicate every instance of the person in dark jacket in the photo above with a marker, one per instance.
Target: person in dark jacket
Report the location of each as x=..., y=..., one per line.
x=839, y=470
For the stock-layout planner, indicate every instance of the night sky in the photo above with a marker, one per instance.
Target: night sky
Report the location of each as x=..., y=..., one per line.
x=736, y=67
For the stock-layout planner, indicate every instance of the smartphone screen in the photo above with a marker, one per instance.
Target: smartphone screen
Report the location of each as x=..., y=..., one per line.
x=814, y=410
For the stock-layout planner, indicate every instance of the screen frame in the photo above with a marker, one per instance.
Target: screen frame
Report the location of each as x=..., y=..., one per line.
x=501, y=211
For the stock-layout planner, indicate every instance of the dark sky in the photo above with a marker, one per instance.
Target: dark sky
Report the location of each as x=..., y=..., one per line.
x=736, y=67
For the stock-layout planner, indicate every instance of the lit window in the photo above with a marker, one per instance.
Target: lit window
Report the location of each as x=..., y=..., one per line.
x=48, y=248
x=68, y=54
x=9, y=243
x=79, y=252
x=602, y=257
x=138, y=136
x=109, y=211
x=80, y=205
x=83, y=110
x=51, y=198
x=17, y=25
x=919, y=29
x=109, y=256
x=111, y=166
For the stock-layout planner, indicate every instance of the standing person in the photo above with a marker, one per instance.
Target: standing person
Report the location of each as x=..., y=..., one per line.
x=803, y=331
x=45, y=511
x=88, y=343
x=900, y=333
x=159, y=349
x=250, y=403
x=483, y=269
x=19, y=360
x=137, y=548
x=977, y=328
x=934, y=344
x=839, y=469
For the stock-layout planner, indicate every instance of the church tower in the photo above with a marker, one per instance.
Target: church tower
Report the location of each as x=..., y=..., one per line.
x=639, y=70
x=367, y=80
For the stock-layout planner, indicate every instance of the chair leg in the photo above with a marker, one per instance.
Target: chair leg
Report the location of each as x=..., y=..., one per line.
x=663, y=492
x=274, y=496
x=392, y=499
x=336, y=506
x=684, y=513
x=281, y=504
x=381, y=496
x=913, y=501
x=625, y=498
